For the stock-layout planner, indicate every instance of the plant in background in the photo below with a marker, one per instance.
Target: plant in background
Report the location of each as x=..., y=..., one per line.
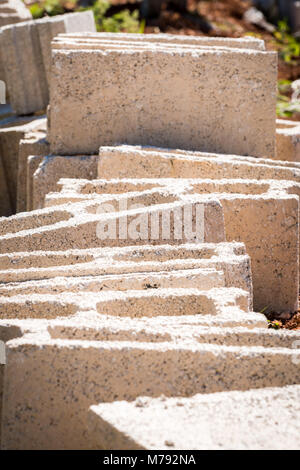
x=289, y=46
x=51, y=8
x=119, y=22
x=286, y=107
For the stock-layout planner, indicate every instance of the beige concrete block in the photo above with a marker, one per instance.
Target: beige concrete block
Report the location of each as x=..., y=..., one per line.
x=24, y=72
x=137, y=162
x=288, y=143
x=33, y=163
x=33, y=144
x=135, y=260
x=49, y=28
x=188, y=279
x=261, y=419
x=9, y=148
x=81, y=229
x=200, y=41
x=52, y=168
x=131, y=303
x=172, y=369
x=185, y=113
x=25, y=50
x=269, y=228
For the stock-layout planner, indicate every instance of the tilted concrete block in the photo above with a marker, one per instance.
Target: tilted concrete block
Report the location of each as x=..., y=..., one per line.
x=288, y=140
x=138, y=162
x=170, y=371
x=170, y=97
x=52, y=168
x=25, y=50
x=80, y=228
x=229, y=258
x=256, y=419
x=10, y=137
x=33, y=144
x=200, y=41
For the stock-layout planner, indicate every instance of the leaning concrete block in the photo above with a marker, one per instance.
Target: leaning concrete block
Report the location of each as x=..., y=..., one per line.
x=161, y=223
x=135, y=162
x=112, y=369
x=52, y=168
x=25, y=50
x=33, y=163
x=9, y=148
x=200, y=41
x=256, y=419
x=33, y=144
x=49, y=28
x=23, y=67
x=185, y=113
x=269, y=228
x=288, y=140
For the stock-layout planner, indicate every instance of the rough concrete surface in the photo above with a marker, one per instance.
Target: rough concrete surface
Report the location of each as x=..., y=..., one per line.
x=170, y=98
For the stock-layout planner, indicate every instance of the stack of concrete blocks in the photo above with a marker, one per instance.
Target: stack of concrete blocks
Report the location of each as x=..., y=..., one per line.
x=25, y=49
x=26, y=55
x=12, y=11
x=89, y=320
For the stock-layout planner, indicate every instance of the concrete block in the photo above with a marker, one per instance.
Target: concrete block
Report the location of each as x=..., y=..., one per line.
x=261, y=419
x=33, y=144
x=52, y=168
x=137, y=162
x=172, y=370
x=80, y=228
x=288, y=140
x=9, y=148
x=229, y=258
x=33, y=163
x=200, y=41
x=185, y=113
x=25, y=50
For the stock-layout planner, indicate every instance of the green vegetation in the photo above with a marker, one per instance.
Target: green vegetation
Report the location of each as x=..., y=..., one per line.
x=119, y=22
x=48, y=7
x=122, y=21
x=289, y=46
x=274, y=325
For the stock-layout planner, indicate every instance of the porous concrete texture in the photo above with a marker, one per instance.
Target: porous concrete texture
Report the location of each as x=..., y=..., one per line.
x=33, y=144
x=262, y=215
x=11, y=132
x=186, y=112
x=252, y=420
x=288, y=140
x=53, y=167
x=138, y=270
x=26, y=56
x=247, y=42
